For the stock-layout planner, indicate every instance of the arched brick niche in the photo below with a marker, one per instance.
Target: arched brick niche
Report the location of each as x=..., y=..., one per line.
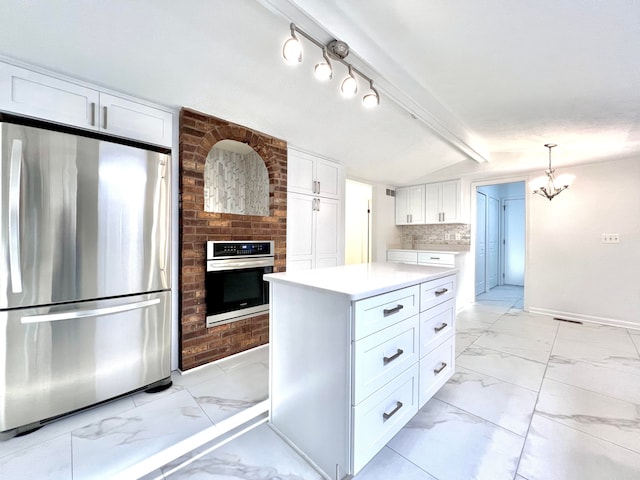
x=198, y=133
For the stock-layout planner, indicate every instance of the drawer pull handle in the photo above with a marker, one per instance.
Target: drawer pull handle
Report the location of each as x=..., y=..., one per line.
x=438, y=370
x=438, y=329
x=441, y=292
x=393, y=357
x=387, y=416
x=434, y=258
x=391, y=311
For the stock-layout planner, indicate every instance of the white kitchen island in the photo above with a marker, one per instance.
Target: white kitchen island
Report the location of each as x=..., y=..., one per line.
x=355, y=351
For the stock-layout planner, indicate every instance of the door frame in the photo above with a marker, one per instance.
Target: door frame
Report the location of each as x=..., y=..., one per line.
x=471, y=269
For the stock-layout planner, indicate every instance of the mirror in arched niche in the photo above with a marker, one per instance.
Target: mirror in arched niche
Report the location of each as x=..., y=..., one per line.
x=235, y=180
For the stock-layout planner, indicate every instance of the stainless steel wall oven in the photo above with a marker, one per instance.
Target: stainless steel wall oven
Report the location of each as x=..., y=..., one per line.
x=234, y=285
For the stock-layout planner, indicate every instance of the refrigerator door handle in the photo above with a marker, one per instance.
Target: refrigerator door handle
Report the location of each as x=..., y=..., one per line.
x=15, y=174
x=94, y=312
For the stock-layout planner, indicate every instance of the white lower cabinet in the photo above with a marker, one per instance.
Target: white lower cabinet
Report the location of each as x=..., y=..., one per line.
x=398, y=350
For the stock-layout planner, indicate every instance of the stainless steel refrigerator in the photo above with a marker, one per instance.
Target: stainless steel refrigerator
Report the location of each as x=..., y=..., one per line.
x=84, y=271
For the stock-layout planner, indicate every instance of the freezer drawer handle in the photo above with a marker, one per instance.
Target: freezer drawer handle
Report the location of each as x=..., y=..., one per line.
x=387, y=416
x=441, y=327
x=441, y=292
x=438, y=370
x=392, y=357
x=15, y=180
x=52, y=317
x=390, y=311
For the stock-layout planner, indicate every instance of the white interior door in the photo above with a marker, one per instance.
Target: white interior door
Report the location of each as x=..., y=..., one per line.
x=514, y=236
x=481, y=242
x=493, y=241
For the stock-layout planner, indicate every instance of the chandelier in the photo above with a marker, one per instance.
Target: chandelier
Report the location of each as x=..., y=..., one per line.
x=336, y=51
x=549, y=185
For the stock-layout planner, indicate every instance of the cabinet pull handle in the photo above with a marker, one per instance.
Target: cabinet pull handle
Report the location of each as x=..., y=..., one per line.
x=441, y=327
x=318, y=187
x=318, y=205
x=390, y=311
x=443, y=216
x=93, y=114
x=393, y=357
x=104, y=117
x=436, y=371
x=441, y=292
x=434, y=258
x=387, y=416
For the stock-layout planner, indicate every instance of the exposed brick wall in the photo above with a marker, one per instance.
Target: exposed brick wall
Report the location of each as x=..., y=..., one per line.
x=198, y=133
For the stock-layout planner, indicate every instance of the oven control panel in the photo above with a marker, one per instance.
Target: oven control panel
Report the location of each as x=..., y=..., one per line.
x=221, y=249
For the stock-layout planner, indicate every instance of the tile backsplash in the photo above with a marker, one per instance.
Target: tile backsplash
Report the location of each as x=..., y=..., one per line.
x=420, y=236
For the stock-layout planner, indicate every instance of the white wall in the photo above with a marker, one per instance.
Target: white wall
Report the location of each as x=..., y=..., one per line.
x=570, y=273
x=385, y=232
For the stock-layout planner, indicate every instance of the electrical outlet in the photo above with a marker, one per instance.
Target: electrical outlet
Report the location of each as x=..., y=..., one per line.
x=457, y=236
x=610, y=238
x=447, y=236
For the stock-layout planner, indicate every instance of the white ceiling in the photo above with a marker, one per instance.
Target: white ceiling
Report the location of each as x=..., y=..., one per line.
x=494, y=79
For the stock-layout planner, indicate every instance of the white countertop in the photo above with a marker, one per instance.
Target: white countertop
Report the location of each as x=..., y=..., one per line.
x=363, y=280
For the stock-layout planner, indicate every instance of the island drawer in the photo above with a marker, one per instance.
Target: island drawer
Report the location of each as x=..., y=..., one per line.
x=436, y=325
x=437, y=291
x=382, y=415
x=435, y=369
x=380, y=357
x=378, y=312
x=402, y=256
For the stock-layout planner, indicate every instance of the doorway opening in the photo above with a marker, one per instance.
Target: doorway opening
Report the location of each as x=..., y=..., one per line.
x=499, y=238
x=358, y=228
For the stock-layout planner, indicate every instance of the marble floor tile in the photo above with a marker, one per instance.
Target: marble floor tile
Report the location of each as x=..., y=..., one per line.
x=502, y=293
x=635, y=338
x=601, y=416
x=504, y=404
x=510, y=368
x=227, y=394
x=65, y=425
x=389, y=465
x=604, y=355
x=531, y=348
x=471, y=326
x=50, y=459
x=598, y=335
x=595, y=377
x=464, y=340
x=477, y=318
x=258, y=454
x=255, y=355
x=527, y=327
x=105, y=448
x=556, y=452
x=452, y=444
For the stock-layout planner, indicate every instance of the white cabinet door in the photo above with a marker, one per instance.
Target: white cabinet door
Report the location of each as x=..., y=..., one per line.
x=313, y=175
x=35, y=95
x=41, y=96
x=328, y=176
x=300, y=232
x=443, y=202
x=327, y=227
x=451, y=201
x=125, y=118
x=410, y=205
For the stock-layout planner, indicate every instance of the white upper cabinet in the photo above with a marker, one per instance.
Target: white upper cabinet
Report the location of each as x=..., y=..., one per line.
x=443, y=202
x=410, y=203
x=313, y=176
x=34, y=94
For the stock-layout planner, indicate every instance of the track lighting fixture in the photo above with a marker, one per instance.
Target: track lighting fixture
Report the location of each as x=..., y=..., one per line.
x=371, y=99
x=292, y=48
x=337, y=51
x=349, y=86
x=549, y=185
x=323, y=70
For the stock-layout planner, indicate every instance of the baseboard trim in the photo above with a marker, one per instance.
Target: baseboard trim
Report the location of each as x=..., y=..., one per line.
x=578, y=317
